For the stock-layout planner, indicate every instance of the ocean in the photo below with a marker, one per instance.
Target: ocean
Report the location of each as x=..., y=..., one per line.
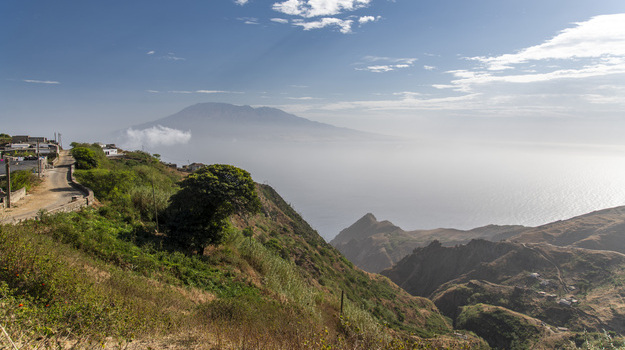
x=425, y=185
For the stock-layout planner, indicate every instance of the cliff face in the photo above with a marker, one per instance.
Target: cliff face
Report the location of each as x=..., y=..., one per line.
x=369, y=244
x=376, y=245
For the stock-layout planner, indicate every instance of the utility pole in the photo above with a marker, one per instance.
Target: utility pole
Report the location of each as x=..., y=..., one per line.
x=38, y=161
x=8, y=184
x=155, y=210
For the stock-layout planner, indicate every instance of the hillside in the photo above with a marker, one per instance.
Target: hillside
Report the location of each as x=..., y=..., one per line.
x=376, y=245
x=600, y=230
x=103, y=277
x=227, y=121
x=569, y=290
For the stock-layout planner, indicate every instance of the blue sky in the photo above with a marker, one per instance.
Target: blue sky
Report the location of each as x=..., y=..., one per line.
x=400, y=67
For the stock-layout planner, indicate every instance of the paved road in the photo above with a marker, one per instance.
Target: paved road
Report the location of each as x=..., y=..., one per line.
x=54, y=192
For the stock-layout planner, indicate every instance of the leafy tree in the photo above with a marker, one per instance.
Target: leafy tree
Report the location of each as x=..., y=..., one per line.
x=5, y=138
x=85, y=158
x=198, y=213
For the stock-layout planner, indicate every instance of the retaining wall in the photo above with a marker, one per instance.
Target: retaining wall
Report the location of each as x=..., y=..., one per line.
x=15, y=196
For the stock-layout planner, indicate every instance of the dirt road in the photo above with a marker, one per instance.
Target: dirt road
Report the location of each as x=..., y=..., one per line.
x=54, y=192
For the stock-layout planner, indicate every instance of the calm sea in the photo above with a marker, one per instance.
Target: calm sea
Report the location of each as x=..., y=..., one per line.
x=428, y=185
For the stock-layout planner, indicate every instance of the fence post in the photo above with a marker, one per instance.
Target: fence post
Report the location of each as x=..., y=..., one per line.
x=342, y=296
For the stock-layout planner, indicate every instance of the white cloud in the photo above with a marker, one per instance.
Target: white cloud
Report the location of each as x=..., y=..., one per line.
x=594, y=48
x=180, y=92
x=172, y=57
x=426, y=67
x=344, y=26
x=153, y=91
x=408, y=101
x=409, y=61
x=601, y=36
x=366, y=19
x=305, y=98
x=391, y=64
x=155, y=136
x=203, y=92
x=216, y=92
x=378, y=69
x=33, y=81
x=241, y=2
x=151, y=52
x=318, y=8
x=280, y=20
x=248, y=20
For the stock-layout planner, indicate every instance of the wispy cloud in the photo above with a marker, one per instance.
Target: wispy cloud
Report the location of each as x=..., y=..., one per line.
x=33, y=81
x=201, y=92
x=378, y=64
x=241, y=2
x=589, y=49
x=151, y=52
x=600, y=37
x=173, y=57
x=155, y=136
x=408, y=101
x=248, y=20
x=280, y=20
x=304, y=98
x=579, y=72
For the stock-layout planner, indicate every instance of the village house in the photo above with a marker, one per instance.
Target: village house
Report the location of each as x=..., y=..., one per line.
x=109, y=150
x=193, y=167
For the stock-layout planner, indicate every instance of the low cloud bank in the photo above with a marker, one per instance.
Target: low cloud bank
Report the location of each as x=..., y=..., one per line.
x=155, y=136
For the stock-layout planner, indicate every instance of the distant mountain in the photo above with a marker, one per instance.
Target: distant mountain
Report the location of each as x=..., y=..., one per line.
x=227, y=121
x=376, y=245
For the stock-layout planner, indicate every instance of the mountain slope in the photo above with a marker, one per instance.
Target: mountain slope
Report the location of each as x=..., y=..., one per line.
x=104, y=276
x=574, y=288
x=601, y=230
x=222, y=120
x=374, y=246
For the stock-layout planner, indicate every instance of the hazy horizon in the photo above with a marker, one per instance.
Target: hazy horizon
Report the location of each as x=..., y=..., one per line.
x=525, y=98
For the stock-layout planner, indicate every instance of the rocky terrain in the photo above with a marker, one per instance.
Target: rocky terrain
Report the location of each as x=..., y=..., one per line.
x=376, y=245
x=565, y=288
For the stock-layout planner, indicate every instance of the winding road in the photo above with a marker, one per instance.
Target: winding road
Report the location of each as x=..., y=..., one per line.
x=55, y=191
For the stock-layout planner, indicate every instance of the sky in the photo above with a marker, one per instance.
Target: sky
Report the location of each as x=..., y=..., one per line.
x=530, y=71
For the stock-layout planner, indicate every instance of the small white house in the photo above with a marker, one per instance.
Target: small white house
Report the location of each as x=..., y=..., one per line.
x=110, y=151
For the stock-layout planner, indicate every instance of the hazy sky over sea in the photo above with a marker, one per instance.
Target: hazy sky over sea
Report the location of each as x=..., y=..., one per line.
x=518, y=98
x=400, y=67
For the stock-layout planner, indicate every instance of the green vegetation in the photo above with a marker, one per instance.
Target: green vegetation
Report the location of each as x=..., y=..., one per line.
x=5, y=138
x=198, y=213
x=20, y=179
x=87, y=156
x=105, y=277
x=500, y=327
x=136, y=186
